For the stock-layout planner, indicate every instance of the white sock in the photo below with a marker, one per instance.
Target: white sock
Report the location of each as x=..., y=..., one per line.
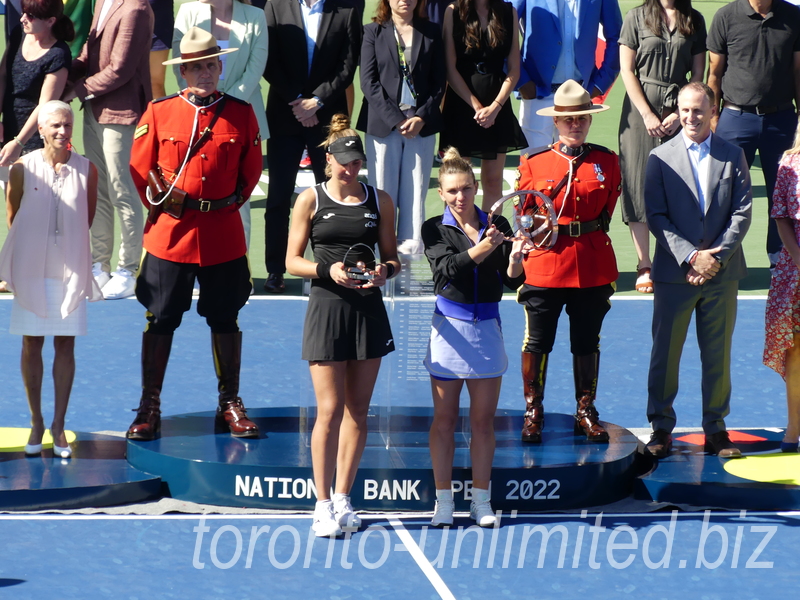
x=479, y=495
x=444, y=496
x=322, y=505
x=338, y=496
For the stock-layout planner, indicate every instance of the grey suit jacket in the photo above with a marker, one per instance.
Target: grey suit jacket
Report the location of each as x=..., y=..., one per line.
x=673, y=209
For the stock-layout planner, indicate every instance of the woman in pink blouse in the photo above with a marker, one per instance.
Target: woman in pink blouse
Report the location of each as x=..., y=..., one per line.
x=782, y=344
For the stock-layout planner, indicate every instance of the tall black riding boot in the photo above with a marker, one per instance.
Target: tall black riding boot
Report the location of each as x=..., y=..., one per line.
x=155, y=356
x=231, y=414
x=534, y=373
x=587, y=420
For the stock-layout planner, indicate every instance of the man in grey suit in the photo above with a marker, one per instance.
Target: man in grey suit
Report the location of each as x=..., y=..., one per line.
x=698, y=203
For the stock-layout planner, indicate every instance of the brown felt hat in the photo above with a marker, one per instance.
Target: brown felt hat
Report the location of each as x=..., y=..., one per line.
x=198, y=44
x=571, y=99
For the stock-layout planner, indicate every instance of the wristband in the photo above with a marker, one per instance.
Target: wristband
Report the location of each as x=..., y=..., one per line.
x=389, y=270
x=324, y=271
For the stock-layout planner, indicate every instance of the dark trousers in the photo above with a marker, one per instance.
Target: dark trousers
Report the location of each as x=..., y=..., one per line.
x=164, y=288
x=586, y=307
x=283, y=157
x=714, y=307
x=771, y=135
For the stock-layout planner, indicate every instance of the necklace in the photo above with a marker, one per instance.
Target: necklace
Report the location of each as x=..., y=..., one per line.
x=58, y=173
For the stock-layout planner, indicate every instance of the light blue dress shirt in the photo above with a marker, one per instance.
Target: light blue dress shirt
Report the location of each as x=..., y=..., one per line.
x=568, y=17
x=311, y=19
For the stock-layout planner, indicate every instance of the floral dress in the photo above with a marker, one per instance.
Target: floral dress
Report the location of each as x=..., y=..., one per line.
x=783, y=301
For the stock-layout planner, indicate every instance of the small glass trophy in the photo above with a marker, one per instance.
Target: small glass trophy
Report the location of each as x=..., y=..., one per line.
x=359, y=270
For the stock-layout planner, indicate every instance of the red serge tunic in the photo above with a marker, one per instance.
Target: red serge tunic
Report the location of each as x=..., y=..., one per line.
x=574, y=262
x=231, y=155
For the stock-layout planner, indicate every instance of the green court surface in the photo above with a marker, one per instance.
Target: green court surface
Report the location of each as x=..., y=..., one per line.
x=604, y=131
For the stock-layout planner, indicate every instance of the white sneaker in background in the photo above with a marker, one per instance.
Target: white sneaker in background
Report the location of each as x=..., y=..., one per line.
x=121, y=285
x=100, y=276
x=410, y=247
x=325, y=523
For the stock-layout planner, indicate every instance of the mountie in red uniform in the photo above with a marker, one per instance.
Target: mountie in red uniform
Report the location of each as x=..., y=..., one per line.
x=586, y=260
x=229, y=159
x=577, y=273
x=203, y=241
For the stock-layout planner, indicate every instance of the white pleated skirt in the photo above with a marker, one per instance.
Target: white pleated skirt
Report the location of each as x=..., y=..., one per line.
x=24, y=322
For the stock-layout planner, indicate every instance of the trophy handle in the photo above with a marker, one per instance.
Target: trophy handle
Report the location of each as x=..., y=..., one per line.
x=546, y=232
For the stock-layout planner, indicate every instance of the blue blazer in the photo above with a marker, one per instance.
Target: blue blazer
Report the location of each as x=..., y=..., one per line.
x=541, y=45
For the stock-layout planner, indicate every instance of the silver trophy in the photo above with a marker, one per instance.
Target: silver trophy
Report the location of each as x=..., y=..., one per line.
x=534, y=217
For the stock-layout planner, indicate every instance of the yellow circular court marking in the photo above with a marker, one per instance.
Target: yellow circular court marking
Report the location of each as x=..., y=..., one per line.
x=767, y=468
x=13, y=439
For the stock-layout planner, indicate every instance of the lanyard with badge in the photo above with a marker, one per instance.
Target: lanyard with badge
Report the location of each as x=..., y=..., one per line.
x=408, y=96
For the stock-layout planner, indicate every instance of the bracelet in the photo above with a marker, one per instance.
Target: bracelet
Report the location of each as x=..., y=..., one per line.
x=514, y=261
x=498, y=104
x=324, y=271
x=20, y=144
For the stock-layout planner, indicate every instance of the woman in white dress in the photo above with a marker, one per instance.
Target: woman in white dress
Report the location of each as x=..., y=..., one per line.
x=47, y=262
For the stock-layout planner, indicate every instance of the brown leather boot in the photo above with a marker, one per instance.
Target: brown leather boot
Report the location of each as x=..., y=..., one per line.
x=587, y=420
x=534, y=373
x=231, y=414
x=155, y=355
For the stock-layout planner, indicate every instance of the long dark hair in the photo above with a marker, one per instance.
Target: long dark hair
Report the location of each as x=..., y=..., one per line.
x=654, y=16
x=472, y=25
x=63, y=29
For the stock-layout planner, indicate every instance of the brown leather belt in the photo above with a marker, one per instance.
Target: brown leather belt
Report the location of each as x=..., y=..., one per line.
x=760, y=110
x=579, y=228
x=209, y=205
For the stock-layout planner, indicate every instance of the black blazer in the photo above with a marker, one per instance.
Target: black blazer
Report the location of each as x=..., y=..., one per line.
x=381, y=78
x=332, y=69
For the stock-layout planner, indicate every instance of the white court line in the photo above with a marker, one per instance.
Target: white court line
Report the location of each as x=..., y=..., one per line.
x=392, y=518
x=422, y=562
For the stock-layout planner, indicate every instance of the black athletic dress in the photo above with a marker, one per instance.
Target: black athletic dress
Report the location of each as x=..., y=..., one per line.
x=344, y=323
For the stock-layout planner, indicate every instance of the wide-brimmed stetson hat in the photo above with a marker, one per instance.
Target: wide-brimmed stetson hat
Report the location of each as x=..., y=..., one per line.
x=570, y=100
x=198, y=44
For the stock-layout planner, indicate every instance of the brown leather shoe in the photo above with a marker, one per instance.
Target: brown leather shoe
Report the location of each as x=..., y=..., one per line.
x=147, y=424
x=274, y=284
x=534, y=373
x=660, y=444
x=587, y=420
x=231, y=413
x=232, y=416
x=155, y=356
x=720, y=444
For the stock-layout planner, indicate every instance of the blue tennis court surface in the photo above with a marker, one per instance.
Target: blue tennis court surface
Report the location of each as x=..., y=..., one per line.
x=681, y=555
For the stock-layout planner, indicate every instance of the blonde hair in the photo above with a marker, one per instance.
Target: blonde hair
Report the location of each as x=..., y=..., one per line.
x=339, y=128
x=453, y=164
x=795, y=149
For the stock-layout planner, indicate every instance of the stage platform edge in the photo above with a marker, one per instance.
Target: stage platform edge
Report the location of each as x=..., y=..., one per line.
x=97, y=475
x=763, y=479
x=274, y=472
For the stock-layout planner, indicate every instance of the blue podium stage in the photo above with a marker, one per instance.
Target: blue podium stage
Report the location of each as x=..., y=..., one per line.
x=96, y=475
x=563, y=472
x=764, y=479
